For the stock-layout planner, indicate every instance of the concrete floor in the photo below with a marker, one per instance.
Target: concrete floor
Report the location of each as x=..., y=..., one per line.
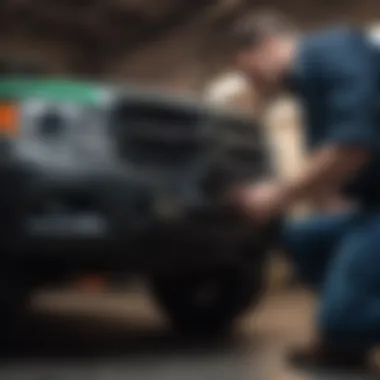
x=83, y=336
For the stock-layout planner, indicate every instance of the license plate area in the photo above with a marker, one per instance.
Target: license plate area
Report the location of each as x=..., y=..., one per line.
x=90, y=225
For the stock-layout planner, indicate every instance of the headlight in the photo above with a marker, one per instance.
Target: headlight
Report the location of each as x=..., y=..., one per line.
x=52, y=125
x=62, y=131
x=47, y=120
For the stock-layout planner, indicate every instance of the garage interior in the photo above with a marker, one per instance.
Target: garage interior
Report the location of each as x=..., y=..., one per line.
x=88, y=329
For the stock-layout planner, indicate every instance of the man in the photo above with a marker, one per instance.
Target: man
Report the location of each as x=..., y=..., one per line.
x=336, y=75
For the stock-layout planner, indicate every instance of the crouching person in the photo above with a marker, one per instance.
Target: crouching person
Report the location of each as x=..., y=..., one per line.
x=335, y=74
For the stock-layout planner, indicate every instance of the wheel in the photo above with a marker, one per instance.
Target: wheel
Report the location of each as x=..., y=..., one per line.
x=208, y=303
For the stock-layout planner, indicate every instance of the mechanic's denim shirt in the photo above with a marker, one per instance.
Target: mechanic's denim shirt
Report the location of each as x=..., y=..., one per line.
x=336, y=76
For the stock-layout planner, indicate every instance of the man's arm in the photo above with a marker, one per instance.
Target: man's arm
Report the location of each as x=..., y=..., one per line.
x=347, y=68
x=328, y=168
x=351, y=73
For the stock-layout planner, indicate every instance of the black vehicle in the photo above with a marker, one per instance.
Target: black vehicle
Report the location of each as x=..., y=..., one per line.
x=107, y=179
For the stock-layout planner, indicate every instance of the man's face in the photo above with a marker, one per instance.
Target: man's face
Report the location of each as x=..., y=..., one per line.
x=264, y=64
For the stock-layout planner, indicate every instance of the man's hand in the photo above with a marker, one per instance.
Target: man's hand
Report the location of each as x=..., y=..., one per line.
x=328, y=168
x=262, y=202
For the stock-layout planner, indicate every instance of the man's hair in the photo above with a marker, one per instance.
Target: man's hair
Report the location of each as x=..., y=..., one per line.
x=253, y=28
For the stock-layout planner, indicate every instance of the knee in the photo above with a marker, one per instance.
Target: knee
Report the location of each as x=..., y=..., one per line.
x=342, y=323
x=334, y=324
x=306, y=254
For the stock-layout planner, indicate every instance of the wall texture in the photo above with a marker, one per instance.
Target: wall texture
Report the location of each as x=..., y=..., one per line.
x=161, y=42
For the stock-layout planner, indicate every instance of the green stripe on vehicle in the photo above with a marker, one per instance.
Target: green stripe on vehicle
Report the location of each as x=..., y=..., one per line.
x=61, y=90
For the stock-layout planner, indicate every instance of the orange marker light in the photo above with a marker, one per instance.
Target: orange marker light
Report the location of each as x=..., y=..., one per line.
x=91, y=283
x=8, y=118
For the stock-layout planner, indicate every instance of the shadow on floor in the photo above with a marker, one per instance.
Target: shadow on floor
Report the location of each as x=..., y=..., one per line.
x=79, y=349
x=44, y=337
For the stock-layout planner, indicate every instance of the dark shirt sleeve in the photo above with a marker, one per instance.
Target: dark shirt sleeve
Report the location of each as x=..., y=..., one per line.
x=350, y=74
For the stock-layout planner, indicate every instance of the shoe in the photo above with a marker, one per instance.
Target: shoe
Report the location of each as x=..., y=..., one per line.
x=321, y=356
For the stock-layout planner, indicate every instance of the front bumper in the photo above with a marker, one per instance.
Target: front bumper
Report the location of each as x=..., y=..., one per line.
x=106, y=214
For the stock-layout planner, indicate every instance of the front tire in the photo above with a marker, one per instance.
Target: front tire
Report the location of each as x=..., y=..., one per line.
x=207, y=304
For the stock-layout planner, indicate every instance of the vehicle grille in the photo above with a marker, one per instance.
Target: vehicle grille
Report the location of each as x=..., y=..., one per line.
x=148, y=134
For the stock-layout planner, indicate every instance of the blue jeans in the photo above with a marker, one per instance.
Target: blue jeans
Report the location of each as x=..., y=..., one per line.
x=339, y=255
